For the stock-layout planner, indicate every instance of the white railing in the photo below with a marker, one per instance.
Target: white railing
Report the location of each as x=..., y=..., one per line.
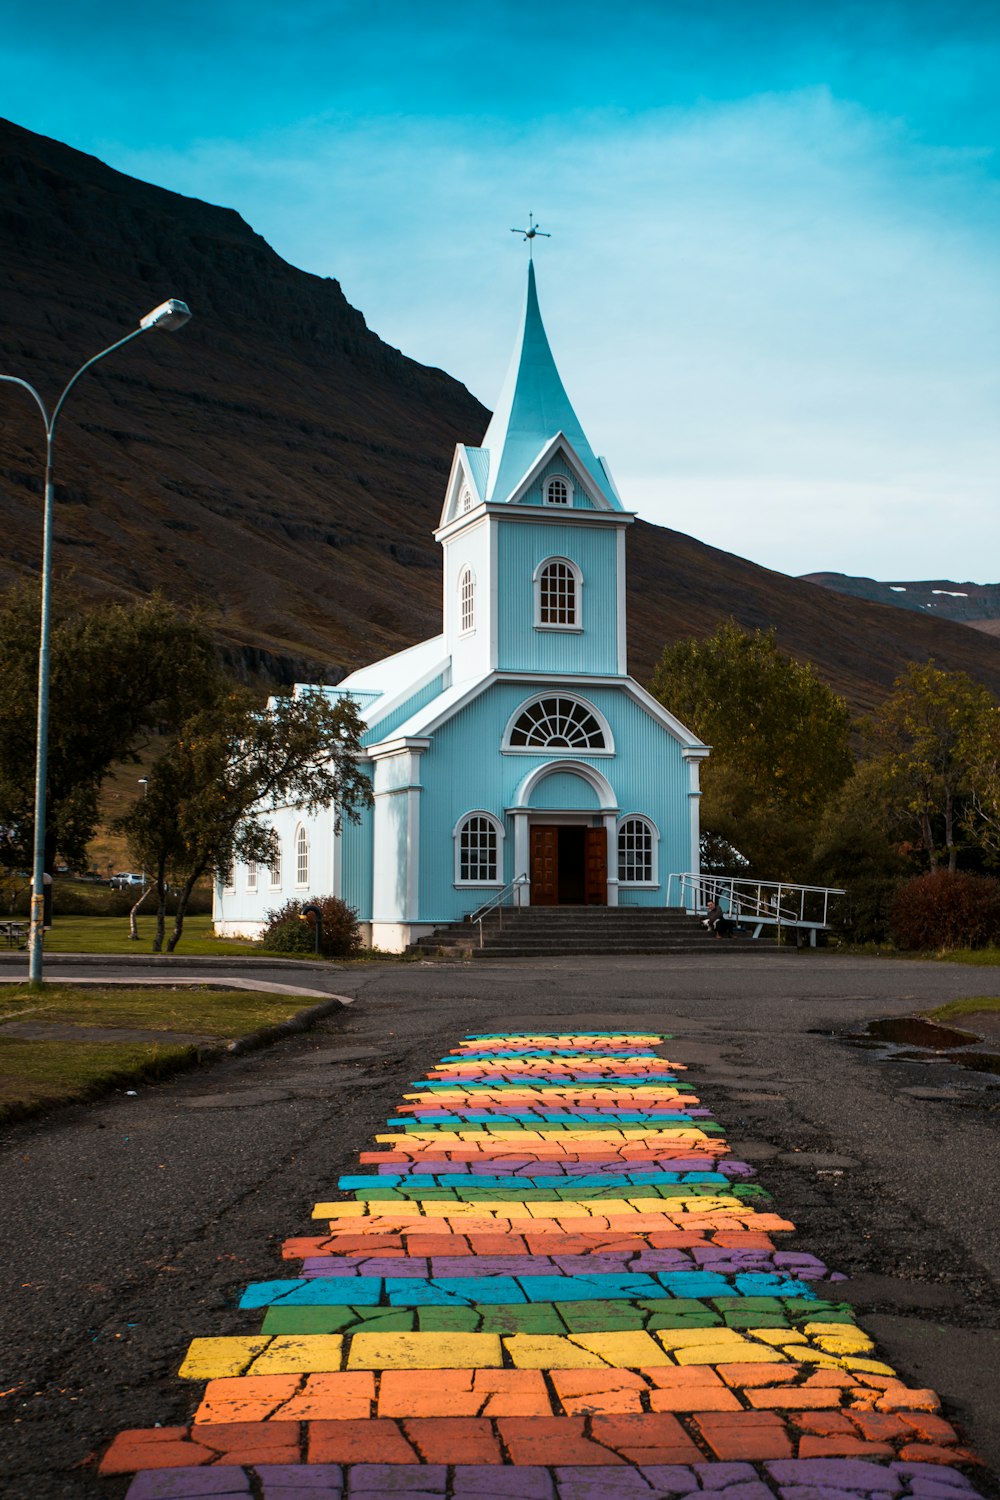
x=496, y=903
x=762, y=903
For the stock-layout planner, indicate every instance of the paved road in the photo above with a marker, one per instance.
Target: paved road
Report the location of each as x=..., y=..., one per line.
x=136, y=1222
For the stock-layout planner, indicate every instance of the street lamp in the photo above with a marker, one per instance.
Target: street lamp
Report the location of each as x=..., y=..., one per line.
x=167, y=317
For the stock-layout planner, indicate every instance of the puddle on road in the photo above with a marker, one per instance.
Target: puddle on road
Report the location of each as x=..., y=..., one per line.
x=913, y=1039
x=915, y=1031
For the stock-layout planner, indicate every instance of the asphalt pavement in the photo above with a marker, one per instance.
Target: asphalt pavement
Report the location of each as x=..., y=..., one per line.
x=133, y=1224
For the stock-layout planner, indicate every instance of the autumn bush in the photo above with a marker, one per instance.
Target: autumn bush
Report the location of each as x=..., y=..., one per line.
x=287, y=931
x=946, y=909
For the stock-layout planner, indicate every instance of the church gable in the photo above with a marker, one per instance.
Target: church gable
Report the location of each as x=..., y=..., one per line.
x=559, y=480
x=466, y=488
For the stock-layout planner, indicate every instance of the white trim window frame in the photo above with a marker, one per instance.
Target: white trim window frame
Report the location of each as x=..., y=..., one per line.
x=558, y=592
x=478, y=839
x=638, y=848
x=274, y=865
x=466, y=600
x=301, y=847
x=557, y=723
x=558, y=490
x=252, y=875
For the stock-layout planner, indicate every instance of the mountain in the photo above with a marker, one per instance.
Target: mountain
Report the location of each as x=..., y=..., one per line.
x=975, y=604
x=279, y=467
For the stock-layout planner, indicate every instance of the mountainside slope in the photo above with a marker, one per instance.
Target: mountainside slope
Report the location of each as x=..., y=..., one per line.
x=976, y=604
x=280, y=467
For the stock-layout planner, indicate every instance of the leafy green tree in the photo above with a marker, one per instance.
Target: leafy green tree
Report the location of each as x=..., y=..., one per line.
x=208, y=795
x=779, y=739
x=116, y=672
x=924, y=741
x=982, y=748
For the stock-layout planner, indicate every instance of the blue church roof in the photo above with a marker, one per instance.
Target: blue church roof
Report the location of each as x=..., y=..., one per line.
x=532, y=410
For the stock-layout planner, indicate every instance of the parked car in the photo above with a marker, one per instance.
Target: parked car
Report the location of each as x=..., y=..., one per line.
x=124, y=879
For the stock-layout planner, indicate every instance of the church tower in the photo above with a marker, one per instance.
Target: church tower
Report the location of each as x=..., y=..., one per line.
x=533, y=532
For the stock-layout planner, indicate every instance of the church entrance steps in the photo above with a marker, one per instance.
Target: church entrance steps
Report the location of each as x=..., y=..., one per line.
x=530, y=932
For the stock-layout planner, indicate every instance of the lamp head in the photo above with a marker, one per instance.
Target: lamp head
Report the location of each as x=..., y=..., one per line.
x=167, y=317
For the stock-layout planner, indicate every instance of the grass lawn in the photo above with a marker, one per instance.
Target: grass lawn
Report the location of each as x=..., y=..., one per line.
x=36, y=1073
x=110, y=935
x=972, y=1005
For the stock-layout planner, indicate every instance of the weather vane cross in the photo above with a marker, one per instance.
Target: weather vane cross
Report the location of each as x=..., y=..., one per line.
x=531, y=233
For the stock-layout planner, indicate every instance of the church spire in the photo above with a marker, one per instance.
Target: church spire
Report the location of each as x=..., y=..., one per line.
x=533, y=408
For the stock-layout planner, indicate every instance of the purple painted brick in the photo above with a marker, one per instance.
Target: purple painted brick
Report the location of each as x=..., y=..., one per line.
x=491, y=1482
x=418, y=1481
x=602, y=1482
x=852, y=1475
x=720, y=1476
x=226, y=1483
x=301, y=1481
x=935, y=1480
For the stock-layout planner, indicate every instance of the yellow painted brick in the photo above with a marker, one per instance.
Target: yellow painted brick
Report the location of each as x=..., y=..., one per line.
x=550, y=1351
x=779, y=1337
x=839, y=1338
x=627, y=1350
x=865, y=1366
x=424, y=1351
x=715, y=1346
x=214, y=1359
x=305, y=1353
x=339, y=1211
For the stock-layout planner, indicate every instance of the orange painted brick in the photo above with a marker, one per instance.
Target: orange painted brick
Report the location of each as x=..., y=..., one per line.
x=749, y=1435
x=881, y=1426
x=811, y=1446
x=454, y=1440
x=933, y=1453
x=346, y=1395
x=647, y=1438
x=751, y=1375
x=551, y=1440
x=256, y=1442
x=376, y=1442
x=796, y=1397
x=463, y=1393
x=823, y=1423
x=689, y=1388
x=153, y=1448
x=298, y=1249
x=245, y=1398
x=931, y=1429
x=583, y=1392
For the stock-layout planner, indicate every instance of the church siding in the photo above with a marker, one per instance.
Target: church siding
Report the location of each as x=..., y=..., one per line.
x=356, y=852
x=533, y=495
x=522, y=546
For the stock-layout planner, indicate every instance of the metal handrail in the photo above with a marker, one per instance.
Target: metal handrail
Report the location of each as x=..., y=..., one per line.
x=496, y=903
x=767, y=902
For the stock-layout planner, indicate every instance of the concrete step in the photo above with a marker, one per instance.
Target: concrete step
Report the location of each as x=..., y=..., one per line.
x=537, y=932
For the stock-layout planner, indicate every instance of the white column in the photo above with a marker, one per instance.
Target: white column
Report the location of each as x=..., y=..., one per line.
x=522, y=856
x=610, y=821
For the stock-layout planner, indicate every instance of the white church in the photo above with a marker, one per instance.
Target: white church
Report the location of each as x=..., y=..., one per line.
x=513, y=748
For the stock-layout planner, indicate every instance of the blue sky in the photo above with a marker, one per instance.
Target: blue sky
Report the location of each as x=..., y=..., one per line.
x=773, y=286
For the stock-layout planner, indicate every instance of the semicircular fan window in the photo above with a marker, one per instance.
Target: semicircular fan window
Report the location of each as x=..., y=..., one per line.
x=557, y=724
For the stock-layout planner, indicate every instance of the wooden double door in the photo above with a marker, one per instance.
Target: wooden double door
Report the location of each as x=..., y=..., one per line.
x=569, y=865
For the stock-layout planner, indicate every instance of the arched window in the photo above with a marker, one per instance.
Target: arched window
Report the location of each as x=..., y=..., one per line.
x=252, y=875
x=557, y=723
x=467, y=601
x=557, y=594
x=465, y=504
x=557, y=490
x=478, y=848
x=301, y=856
x=636, y=852
x=274, y=868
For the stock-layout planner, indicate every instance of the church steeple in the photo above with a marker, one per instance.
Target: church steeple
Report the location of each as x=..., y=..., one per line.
x=532, y=410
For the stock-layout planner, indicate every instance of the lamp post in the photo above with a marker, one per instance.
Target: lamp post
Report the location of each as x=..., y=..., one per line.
x=167, y=317
x=316, y=913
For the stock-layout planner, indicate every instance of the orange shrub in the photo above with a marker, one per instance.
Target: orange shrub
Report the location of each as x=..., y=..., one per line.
x=946, y=910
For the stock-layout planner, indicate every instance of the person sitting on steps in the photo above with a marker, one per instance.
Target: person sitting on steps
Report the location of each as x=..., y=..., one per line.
x=716, y=920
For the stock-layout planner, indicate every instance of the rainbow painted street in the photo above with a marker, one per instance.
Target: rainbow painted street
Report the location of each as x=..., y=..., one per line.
x=549, y=1282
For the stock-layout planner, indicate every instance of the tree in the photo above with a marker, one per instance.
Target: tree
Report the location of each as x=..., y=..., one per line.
x=924, y=741
x=227, y=766
x=981, y=746
x=779, y=739
x=116, y=672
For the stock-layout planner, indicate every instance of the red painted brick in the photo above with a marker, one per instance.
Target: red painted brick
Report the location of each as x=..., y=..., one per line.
x=376, y=1442
x=649, y=1438
x=455, y=1440
x=749, y=1435
x=551, y=1440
